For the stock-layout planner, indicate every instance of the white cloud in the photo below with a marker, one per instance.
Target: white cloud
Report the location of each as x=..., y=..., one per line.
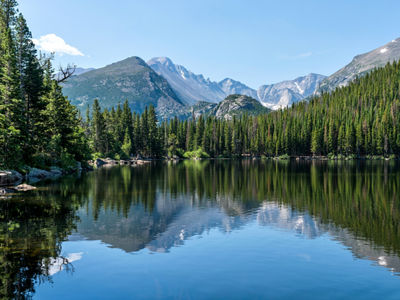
x=57, y=264
x=53, y=43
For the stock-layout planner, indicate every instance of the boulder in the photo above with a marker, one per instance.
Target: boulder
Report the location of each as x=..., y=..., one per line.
x=56, y=171
x=99, y=162
x=10, y=177
x=35, y=173
x=24, y=188
x=110, y=161
x=5, y=191
x=142, y=162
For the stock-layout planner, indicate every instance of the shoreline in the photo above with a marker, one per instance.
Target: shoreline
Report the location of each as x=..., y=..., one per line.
x=13, y=182
x=100, y=162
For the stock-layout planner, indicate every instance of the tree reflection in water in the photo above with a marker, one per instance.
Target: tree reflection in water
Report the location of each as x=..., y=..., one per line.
x=158, y=206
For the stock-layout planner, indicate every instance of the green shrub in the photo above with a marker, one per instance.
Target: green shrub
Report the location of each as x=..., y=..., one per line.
x=331, y=156
x=340, y=157
x=67, y=160
x=96, y=155
x=199, y=153
x=180, y=152
x=42, y=161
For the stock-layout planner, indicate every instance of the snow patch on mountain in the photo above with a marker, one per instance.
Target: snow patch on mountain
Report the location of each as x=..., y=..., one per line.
x=285, y=93
x=299, y=88
x=361, y=65
x=193, y=88
x=189, y=87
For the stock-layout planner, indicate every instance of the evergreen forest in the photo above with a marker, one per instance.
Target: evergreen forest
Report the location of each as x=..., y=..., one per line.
x=359, y=120
x=39, y=126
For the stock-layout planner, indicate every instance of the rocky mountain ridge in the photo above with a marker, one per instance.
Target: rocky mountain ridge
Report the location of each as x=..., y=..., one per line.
x=193, y=88
x=131, y=79
x=362, y=64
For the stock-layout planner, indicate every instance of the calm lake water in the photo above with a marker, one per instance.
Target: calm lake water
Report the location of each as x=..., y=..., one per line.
x=207, y=230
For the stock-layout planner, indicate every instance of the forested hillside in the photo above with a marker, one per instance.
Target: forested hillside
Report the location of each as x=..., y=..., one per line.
x=358, y=120
x=130, y=79
x=38, y=125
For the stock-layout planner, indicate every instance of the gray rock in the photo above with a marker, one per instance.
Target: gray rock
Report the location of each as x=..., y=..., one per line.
x=99, y=162
x=56, y=171
x=35, y=173
x=24, y=188
x=236, y=105
x=5, y=191
x=10, y=177
x=110, y=161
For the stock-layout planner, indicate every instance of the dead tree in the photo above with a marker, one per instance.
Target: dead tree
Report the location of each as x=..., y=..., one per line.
x=65, y=73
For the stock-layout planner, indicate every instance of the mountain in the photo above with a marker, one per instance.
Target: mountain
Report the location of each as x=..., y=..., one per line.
x=130, y=79
x=362, y=64
x=77, y=72
x=233, y=105
x=236, y=105
x=285, y=93
x=192, y=88
x=80, y=71
x=176, y=91
x=230, y=87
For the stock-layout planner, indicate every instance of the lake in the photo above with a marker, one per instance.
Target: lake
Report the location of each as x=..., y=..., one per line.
x=247, y=229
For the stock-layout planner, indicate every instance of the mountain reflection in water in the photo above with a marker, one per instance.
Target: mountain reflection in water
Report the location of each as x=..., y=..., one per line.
x=159, y=206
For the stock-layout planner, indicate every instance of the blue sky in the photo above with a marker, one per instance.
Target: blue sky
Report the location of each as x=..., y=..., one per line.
x=256, y=42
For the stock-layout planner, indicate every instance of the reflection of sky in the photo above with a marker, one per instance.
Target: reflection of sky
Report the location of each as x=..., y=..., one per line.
x=174, y=220
x=254, y=262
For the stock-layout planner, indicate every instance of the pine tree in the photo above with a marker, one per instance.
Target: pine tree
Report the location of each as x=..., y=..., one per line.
x=31, y=88
x=98, y=128
x=172, y=145
x=153, y=137
x=10, y=103
x=127, y=145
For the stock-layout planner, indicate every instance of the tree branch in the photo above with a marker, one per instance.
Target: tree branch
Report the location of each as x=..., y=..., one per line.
x=66, y=73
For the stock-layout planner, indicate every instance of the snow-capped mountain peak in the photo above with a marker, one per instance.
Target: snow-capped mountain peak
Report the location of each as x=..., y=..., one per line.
x=190, y=87
x=285, y=93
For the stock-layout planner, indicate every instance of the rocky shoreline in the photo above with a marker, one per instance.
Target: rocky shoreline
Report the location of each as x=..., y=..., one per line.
x=104, y=162
x=12, y=181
